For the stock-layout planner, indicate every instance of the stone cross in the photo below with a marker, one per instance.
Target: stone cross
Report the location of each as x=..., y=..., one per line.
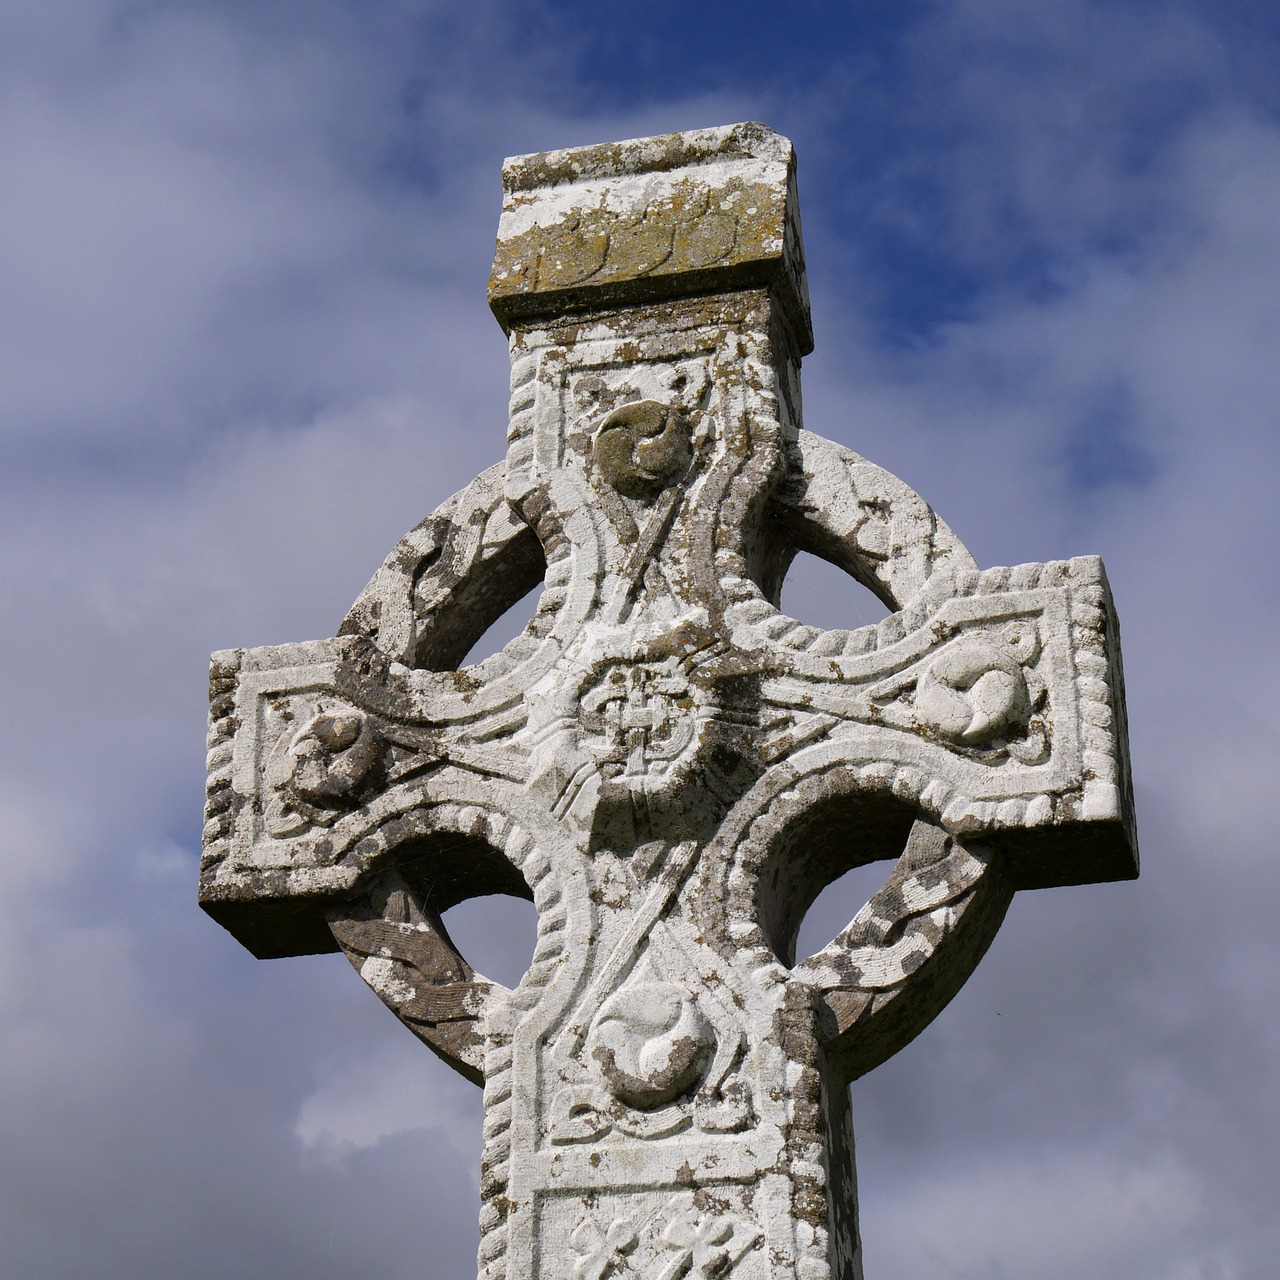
x=669, y=766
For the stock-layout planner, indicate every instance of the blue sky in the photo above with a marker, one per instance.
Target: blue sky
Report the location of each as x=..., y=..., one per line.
x=244, y=345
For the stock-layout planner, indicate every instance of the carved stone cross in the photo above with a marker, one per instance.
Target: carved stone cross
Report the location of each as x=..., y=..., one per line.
x=666, y=764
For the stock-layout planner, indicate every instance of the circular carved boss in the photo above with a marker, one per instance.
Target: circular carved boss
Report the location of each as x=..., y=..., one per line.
x=651, y=1043
x=973, y=693
x=643, y=447
x=334, y=758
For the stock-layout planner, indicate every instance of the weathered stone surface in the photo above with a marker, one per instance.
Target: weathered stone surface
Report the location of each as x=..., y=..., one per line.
x=677, y=216
x=669, y=766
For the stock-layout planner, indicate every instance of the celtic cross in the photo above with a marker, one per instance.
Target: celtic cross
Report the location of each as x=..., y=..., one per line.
x=669, y=766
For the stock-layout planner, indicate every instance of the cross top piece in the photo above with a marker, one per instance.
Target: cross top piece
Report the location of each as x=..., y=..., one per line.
x=665, y=763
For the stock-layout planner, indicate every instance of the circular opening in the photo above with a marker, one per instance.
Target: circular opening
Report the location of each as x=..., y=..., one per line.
x=818, y=593
x=837, y=904
x=467, y=618
x=505, y=628
x=482, y=901
x=843, y=830
x=496, y=934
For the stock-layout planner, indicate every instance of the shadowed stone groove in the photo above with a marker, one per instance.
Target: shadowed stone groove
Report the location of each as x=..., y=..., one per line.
x=670, y=767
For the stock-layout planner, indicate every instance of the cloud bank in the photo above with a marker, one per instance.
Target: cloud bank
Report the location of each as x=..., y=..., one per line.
x=244, y=346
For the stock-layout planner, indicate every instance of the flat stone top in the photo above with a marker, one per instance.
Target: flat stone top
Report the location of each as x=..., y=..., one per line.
x=659, y=154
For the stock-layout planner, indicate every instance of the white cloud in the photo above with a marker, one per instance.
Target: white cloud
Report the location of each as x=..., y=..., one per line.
x=398, y=1088
x=1057, y=1217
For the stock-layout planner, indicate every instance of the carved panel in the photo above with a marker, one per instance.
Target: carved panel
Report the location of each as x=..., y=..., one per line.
x=703, y=1236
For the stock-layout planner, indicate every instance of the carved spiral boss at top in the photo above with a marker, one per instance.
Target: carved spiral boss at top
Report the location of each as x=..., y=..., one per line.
x=669, y=766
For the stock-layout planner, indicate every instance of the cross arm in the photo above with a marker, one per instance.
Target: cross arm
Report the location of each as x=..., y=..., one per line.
x=293, y=749
x=319, y=755
x=991, y=707
x=342, y=814
x=994, y=701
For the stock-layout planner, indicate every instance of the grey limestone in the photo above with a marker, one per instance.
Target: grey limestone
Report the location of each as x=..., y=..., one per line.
x=668, y=765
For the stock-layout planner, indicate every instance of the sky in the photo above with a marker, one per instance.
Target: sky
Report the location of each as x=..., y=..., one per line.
x=244, y=346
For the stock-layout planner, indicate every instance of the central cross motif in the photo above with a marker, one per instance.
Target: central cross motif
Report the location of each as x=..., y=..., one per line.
x=636, y=710
x=669, y=766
